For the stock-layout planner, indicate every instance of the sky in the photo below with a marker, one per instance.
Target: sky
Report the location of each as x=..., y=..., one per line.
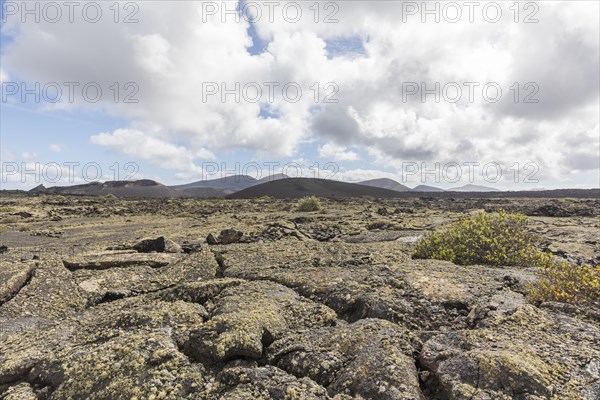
x=502, y=94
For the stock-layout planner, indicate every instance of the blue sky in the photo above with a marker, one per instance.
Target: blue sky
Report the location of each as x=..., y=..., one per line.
x=33, y=134
x=368, y=132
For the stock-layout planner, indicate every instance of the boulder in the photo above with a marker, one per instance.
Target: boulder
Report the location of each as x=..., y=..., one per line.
x=172, y=247
x=248, y=317
x=212, y=239
x=370, y=359
x=530, y=354
x=114, y=369
x=158, y=245
x=228, y=236
x=244, y=380
x=125, y=260
x=20, y=391
x=12, y=278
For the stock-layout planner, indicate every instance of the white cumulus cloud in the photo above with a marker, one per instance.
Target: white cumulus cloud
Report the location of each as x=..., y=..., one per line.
x=337, y=153
x=175, y=51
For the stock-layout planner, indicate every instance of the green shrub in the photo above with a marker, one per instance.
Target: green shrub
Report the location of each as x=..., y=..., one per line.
x=567, y=283
x=56, y=200
x=491, y=239
x=311, y=203
x=109, y=197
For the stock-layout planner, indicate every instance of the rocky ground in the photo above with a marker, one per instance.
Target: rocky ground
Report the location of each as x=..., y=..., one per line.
x=318, y=305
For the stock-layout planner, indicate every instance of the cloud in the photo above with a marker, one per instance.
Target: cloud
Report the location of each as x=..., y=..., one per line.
x=29, y=155
x=136, y=144
x=6, y=155
x=372, y=54
x=359, y=175
x=23, y=174
x=57, y=148
x=583, y=161
x=3, y=76
x=337, y=153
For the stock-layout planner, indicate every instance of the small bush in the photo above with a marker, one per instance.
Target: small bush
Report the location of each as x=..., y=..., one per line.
x=311, y=203
x=491, y=239
x=107, y=198
x=56, y=200
x=567, y=283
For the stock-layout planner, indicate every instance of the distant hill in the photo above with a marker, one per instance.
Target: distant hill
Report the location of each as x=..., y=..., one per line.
x=141, y=188
x=300, y=187
x=385, y=183
x=223, y=186
x=228, y=184
x=38, y=189
x=271, y=178
x=426, y=188
x=289, y=188
x=473, y=188
x=203, y=192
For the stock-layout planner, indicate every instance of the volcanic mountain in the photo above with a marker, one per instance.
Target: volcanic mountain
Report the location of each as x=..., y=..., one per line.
x=426, y=188
x=386, y=183
x=228, y=184
x=141, y=188
x=300, y=187
x=473, y=188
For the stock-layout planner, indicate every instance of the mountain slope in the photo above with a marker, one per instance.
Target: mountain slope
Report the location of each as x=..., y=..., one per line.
x=271, y=178
x=141, y=188
x=300, y=187
x=229, y=183
x=426, y=188
x=473, y=188
x=385, y=183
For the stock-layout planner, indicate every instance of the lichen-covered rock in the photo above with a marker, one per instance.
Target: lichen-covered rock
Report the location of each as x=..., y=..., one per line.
x=13, y=276
x=51, y=292
x=212, y=239
x=351, y=286
x=144, y=365
x=21, y=391
x=248, y=381
x=158, y=245
x=369, y=359
x=246, y=318
x=117, y=260
x=26, y=341
x=197, y=292
x=381, y=283
x=529, y=354
x=277, y=231
x=327, y=306
x=172, y=247
x=116, y=283
x=228, y=236
x=178, y=317
x=150, y=245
